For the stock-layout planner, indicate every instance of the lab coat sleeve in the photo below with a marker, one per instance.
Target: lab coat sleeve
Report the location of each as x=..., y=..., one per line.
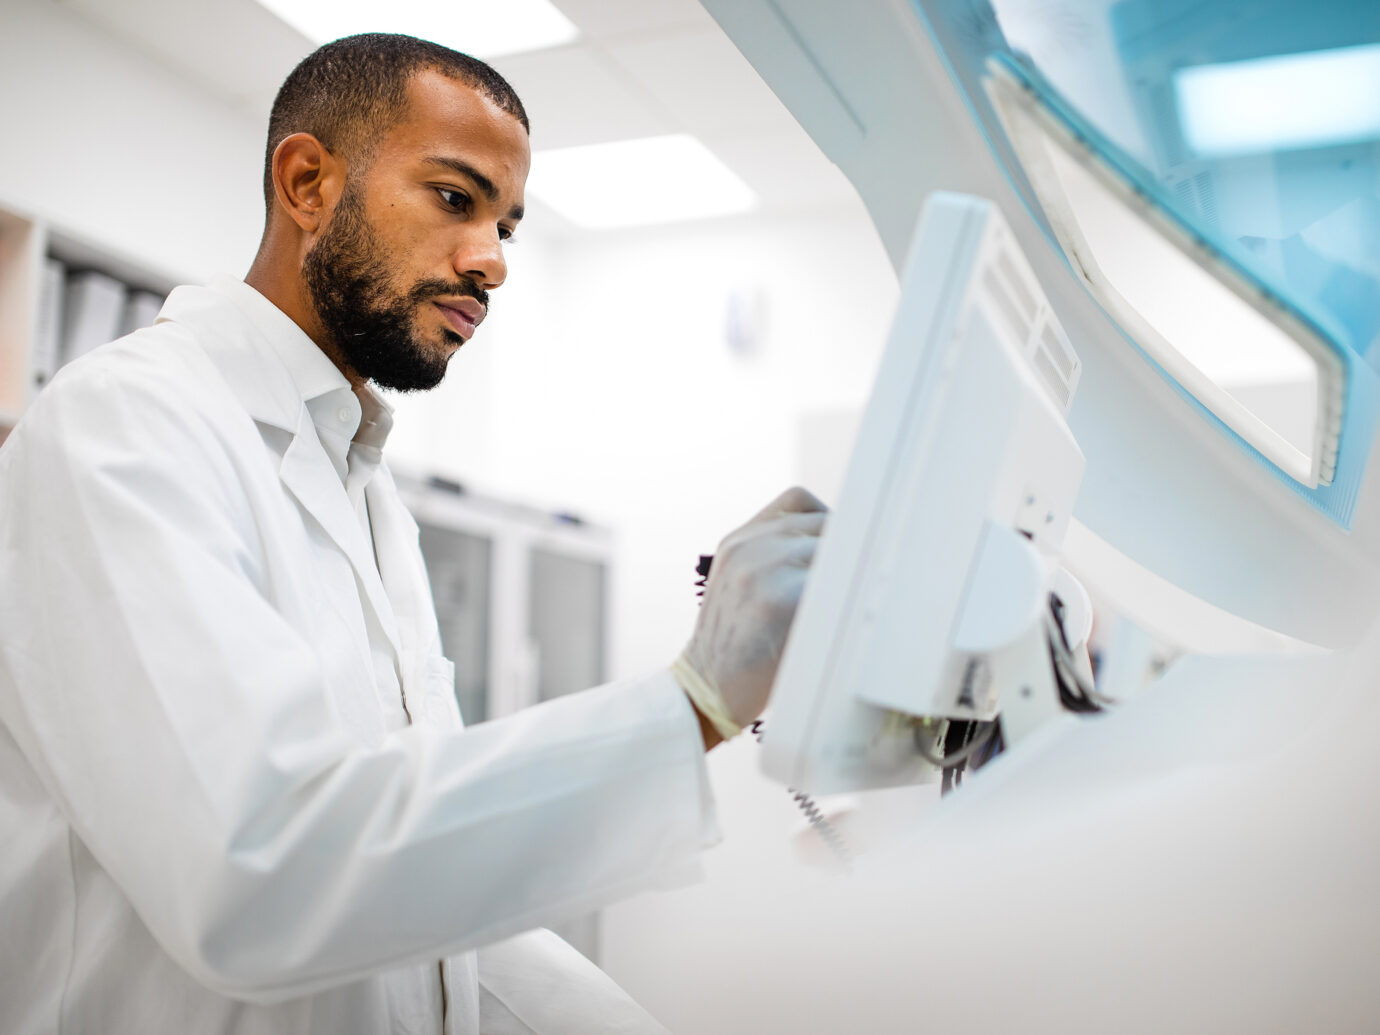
x=536, y=984
x=182, y=726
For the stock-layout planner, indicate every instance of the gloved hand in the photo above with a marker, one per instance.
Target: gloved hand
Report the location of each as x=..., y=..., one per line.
x=728, y=667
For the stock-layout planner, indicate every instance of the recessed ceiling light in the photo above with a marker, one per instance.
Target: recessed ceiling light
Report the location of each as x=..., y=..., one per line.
x=486, y=29
x=1280, y=103
x=637, y=182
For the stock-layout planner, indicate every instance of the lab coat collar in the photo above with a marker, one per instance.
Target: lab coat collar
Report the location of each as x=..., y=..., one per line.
x=238, y=327
x=246, y=336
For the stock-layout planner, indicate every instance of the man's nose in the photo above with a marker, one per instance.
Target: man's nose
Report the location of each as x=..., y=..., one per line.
x=480, y=257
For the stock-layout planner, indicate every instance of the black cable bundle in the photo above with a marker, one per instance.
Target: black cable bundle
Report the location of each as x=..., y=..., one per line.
x=964, y=740
x=1072, y=694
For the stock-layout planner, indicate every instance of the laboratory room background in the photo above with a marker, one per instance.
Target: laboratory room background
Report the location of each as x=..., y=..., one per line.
x=1063, y=317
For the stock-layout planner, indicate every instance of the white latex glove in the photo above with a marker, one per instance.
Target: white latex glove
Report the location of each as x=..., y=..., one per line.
x=728, y=667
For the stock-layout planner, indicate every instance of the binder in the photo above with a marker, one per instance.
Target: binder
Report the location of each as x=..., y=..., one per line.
x=94, y=306
x=141, y=309
x=46, y=355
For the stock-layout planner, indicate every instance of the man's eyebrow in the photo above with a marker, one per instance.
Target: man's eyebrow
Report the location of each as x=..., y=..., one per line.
x=485, y=185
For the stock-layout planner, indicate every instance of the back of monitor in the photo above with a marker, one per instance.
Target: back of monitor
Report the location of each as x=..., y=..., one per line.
x=963, y=456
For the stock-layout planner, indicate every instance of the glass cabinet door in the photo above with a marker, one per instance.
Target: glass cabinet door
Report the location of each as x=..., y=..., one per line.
x=460, y=568
x=567, y=603
x=566, y=621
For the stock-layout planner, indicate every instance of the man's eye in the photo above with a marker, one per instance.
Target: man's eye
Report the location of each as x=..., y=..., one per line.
x=505, y=234
x=458, y=200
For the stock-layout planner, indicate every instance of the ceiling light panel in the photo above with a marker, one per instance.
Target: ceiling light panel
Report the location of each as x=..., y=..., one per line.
x=484, y=29
x=637, y=183
x=1279, y=103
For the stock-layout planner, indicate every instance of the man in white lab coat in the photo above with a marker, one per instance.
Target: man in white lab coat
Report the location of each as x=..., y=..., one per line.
x=235, y=794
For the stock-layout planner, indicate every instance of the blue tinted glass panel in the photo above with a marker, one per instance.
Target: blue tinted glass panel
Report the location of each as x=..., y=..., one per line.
x=1255, y=124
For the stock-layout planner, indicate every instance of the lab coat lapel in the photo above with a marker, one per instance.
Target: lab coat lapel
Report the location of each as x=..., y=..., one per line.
x=307, y=472
x=404, y=581
x=255, y=373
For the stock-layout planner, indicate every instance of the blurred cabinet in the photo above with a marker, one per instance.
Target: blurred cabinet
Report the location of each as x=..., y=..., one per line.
x=521, y=595
x=460, y=566
x=522, y=600
x=566, y=619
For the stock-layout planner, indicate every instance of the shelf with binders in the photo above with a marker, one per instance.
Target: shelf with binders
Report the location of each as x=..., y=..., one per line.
x=62, y=295
x=21, y=255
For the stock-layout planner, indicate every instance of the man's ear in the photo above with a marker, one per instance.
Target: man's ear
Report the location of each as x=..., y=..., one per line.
x=307, y=180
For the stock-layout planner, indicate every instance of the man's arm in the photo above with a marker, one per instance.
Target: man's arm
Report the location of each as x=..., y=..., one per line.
x=186, y=731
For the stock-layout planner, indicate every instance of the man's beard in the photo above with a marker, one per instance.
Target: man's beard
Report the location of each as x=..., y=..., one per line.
x=369, y=325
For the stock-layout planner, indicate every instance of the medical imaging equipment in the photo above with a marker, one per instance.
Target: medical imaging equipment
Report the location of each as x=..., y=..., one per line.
x=1194, y=185
x=1214, y=523
x=1226, y=401
x=929, y=595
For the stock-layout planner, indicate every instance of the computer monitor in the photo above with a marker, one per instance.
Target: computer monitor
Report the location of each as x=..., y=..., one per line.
x=941, y=550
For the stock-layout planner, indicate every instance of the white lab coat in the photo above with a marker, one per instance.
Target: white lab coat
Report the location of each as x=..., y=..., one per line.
x=213, y=821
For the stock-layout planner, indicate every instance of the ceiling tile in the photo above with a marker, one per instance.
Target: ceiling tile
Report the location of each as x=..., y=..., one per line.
x=574, y=96
x=646, y=67
x=702, y=80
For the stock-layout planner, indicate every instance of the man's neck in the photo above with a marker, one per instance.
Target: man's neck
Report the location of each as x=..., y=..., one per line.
x=286, y=290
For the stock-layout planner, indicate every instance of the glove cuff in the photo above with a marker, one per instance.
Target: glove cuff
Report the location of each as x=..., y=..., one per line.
x=705, y=698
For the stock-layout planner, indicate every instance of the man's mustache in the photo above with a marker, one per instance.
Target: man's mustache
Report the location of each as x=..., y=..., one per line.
x=440, y=288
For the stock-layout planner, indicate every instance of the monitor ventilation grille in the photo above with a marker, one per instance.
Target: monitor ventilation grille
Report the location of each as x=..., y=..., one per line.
x=1028, y=319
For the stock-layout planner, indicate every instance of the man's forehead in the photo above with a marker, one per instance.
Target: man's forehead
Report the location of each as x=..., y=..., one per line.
x=453, y=127
x=450, y=120
x=436, y=98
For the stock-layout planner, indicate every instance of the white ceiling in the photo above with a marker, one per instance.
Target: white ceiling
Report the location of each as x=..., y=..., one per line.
x=640, y=68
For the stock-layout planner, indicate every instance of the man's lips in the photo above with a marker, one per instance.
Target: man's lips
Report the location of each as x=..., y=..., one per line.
x=463, y=314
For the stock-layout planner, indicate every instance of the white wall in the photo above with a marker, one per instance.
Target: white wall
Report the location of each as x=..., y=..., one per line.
x=105, y=142
x=602, y=383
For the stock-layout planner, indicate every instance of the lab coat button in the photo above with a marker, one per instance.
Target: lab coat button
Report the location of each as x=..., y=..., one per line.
x=343, y=414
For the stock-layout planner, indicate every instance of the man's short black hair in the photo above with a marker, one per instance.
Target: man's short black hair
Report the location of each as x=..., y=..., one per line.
x=348, y=93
